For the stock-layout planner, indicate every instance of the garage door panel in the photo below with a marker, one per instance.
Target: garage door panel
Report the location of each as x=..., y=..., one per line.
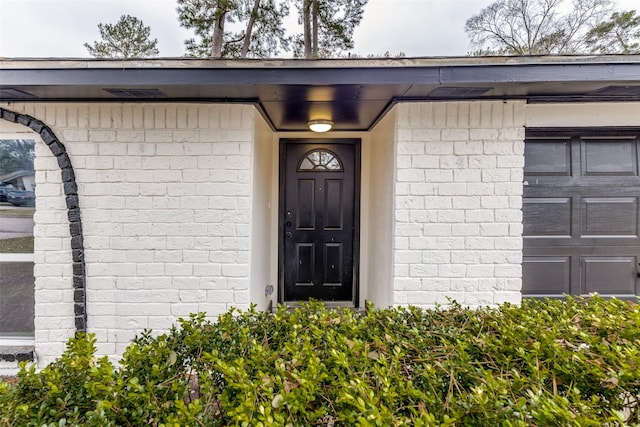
x=592, y=243
x=546, y=275
x=614, y=275
x=548, y=158
x=609, y=158
x=610, y=216
x=548, y=216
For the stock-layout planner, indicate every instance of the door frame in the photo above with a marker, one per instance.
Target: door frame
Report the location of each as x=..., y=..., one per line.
x=356, y=142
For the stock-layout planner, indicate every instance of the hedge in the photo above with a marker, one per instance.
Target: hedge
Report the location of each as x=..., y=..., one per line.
x=572, y=362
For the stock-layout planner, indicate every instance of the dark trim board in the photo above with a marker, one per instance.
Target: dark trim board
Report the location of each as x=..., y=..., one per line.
x=564, y=132
x=296, y=72
x=356, y=220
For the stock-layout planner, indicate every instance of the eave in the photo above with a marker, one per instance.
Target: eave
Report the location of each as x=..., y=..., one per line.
x=353, y=93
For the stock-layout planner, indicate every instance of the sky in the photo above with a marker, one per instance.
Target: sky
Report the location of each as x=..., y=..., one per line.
x=59, y=28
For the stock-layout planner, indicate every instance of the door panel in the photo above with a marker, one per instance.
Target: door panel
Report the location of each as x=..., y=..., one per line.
x=305, y=265
x=546, y=275
x=334, y=208
x=609, y=275
x=305, y=204
x=610, y=216
x=548, y=157
x=318, y=220
x=547, y=216
x=333, y=264
x=609, y=158
x=581, y=228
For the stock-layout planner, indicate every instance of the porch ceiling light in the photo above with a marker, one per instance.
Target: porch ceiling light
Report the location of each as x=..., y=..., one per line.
x=320, y=125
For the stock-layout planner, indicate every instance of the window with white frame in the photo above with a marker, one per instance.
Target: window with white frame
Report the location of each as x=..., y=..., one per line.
x=17, y=206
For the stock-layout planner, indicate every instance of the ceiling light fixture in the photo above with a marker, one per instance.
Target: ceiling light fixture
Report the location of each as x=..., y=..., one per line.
x=320, y=125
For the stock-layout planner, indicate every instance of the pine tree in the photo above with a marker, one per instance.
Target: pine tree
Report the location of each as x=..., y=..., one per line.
x=255, y=27
x=328, y=26
x=128, y=38
x=619, y=34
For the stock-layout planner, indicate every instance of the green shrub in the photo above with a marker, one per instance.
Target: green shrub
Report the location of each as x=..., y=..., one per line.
x=73, y=388
x=574, y=362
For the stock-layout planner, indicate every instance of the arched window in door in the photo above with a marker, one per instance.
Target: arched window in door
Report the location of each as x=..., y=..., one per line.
x=320, y=160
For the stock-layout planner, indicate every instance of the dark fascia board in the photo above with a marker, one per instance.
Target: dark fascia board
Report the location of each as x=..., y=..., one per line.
x=190, y=76
x=566, y=132
x=550, y=99
x=543, y=73
x=148, y=73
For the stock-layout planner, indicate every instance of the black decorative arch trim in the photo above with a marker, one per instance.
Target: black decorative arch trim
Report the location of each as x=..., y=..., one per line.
x=73, y=210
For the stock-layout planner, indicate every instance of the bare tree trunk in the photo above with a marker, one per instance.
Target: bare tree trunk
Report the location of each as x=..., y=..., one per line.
x=218, y=36
x=306, y=16
x=316, y=11
x=249, y=31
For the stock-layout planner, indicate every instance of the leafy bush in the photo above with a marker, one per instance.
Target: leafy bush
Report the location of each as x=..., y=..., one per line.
x=547, y=363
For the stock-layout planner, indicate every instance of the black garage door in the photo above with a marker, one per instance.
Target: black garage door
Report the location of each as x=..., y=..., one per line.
x=581, y=213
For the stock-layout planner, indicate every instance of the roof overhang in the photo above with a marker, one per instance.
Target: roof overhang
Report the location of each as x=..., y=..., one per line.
x=353, y=93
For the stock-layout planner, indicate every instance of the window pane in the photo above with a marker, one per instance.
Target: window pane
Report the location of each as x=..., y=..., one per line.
x=16, y=299
x=17, y=196
x=17, y=206
x=333, y=164
x=320, y=160
x=16, y=229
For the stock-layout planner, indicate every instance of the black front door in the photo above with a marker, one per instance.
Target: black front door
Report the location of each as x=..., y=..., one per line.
x=318, y=220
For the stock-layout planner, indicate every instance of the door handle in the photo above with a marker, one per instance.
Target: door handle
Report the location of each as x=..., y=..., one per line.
x=288, y=234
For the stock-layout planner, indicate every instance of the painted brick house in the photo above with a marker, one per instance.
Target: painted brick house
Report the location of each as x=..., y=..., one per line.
x=167, y=187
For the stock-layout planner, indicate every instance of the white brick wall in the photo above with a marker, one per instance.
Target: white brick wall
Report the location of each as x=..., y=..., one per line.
x=458, y=199
x=168, y=200
x=165, y=196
